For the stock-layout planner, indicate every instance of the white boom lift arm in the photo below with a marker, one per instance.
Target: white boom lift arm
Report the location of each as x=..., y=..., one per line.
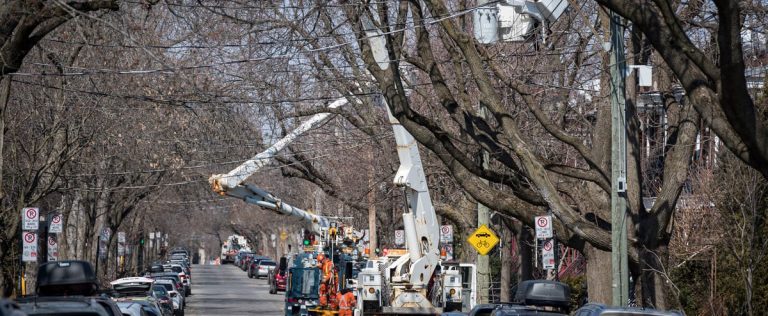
x=420, y=222
x=232, y=183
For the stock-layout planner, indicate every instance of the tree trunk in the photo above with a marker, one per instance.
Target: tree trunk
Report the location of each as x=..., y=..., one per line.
x=598, y=275
x=524, y=242
x=655, y=284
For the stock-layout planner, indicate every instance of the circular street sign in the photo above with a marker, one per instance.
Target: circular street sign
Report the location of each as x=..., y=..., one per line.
x=548, y=245
x=29, y=237
x=542, y=222
x=56, y=219
x=31, y=213
x=445, y=229
x=398, y=233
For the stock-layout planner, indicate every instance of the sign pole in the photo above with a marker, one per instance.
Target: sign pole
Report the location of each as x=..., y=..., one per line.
x=22, y=265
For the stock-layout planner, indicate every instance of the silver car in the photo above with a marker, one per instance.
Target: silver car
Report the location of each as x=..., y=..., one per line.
x=175, y=293
x=262, y=270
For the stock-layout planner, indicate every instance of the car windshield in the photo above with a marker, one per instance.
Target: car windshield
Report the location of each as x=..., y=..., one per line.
x=160, y=290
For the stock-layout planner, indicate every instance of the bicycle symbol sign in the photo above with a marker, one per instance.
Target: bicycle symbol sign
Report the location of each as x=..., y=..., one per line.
x=483, y=239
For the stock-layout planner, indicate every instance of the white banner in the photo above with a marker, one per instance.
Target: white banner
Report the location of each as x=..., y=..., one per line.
x=29, y=251
x=30, y=218
x=57, y=224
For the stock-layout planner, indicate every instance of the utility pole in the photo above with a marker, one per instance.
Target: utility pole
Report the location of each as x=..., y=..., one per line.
x=619, y=264
x=483, y=218
x=372, y=205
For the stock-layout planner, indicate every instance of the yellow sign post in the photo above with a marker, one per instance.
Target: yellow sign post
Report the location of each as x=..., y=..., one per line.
x=483, y=239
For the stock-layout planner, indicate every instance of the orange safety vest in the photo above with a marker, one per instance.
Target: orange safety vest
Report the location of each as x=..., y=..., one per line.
x=327, y=270
x=347, y=301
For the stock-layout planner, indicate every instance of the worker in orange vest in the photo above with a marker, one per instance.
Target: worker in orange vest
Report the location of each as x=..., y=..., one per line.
x=347, y=302
x=326, y=268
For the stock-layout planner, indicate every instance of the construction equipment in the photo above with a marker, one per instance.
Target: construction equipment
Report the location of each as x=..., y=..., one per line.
x=230, y=248
x=407, y=284
x=410, y=284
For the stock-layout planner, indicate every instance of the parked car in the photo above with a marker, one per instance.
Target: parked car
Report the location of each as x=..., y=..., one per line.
x=67, y=287
x=131, y=309
x=277, y=277
x=148, y=305
x=179, y=303
x=175, y=276
x=253, y=267
x=243, y=261
x=133, y=286
x=185, y=278
x=164, y=300
x=61, y=305
x=592, y=309
x=263, y=268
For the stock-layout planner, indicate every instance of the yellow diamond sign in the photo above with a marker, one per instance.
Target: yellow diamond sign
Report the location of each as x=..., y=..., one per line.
x=483, y=239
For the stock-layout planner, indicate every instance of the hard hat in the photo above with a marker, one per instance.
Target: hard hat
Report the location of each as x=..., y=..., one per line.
x=320, y=256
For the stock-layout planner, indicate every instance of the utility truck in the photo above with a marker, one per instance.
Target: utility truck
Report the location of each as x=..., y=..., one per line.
x=230, y=248
x=414, y=283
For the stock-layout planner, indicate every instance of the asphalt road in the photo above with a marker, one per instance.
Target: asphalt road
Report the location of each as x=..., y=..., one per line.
x=227, y=290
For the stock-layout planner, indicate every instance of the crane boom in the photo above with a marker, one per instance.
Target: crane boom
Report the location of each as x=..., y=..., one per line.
x=232, y=183
x=420, y=222
x=223, y=182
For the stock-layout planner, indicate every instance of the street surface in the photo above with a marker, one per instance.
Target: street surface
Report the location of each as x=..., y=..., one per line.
x=227, y=290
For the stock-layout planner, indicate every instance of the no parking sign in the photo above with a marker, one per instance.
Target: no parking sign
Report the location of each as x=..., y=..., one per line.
x=29, y=250
x=30, y=218
x=57, y=225
x=543, y=226
x=446, y=234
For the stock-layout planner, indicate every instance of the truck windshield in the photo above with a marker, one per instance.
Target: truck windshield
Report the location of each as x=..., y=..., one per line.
x=310, y=285
x=305, y=283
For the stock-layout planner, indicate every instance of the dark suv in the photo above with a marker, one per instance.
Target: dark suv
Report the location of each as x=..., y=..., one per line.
x=67, y=287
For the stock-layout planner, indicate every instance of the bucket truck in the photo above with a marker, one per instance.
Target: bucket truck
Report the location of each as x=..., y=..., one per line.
x=415, y=283
x=408, y=285
x=303, y=274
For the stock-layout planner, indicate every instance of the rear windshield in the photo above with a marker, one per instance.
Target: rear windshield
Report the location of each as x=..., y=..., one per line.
x=131, y=287
x=168, y=287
